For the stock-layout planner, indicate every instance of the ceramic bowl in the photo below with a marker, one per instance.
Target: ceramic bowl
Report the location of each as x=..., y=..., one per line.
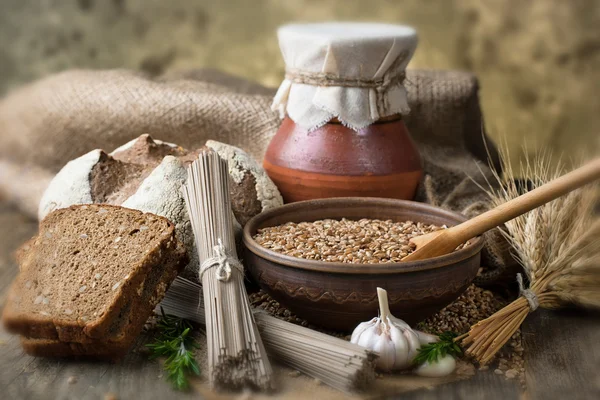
x=338, y=296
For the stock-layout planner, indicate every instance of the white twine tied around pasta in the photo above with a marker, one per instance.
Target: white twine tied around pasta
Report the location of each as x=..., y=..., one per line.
x=528, y=294
x=223, y=261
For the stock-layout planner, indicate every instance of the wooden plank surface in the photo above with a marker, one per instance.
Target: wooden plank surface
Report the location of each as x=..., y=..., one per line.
x=562, y=357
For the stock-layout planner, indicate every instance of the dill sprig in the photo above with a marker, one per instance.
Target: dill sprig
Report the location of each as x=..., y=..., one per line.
x=432, y=352
x=175, y=342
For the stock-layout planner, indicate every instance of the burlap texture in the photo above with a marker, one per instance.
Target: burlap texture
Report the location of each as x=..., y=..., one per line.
x=47, y=123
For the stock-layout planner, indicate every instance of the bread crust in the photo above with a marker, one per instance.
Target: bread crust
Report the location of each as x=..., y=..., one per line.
x=55, y=348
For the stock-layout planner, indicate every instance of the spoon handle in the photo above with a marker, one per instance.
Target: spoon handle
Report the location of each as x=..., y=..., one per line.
x=527, y=202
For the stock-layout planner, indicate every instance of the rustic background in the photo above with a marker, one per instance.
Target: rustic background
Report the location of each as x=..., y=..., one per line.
x=538, y=60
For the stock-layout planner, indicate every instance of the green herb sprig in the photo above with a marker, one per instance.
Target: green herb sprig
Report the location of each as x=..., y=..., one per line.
x=432, y=352
x=175, y=342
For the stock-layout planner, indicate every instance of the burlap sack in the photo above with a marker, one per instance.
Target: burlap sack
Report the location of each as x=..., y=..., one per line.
x=47, y=123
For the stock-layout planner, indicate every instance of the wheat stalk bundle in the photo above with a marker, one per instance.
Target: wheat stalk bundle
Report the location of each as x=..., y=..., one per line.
x=558, y=246
x=333, y=361
x=236, y=355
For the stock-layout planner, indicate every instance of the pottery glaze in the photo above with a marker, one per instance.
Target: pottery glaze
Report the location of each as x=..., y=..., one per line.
x=379, y=160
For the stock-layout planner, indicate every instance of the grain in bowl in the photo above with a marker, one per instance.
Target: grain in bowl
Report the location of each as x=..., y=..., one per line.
x=364, y=241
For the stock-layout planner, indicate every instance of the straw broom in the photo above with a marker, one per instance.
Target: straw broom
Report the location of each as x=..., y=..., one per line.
x=236, y=355
x=558, y=246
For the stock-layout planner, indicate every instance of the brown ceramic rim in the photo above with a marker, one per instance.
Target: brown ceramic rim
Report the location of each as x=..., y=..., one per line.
x=473, y=248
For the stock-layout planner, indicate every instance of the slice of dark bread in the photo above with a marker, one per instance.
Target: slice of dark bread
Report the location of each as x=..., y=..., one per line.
x=151, y=292
x=113, y=349
x=89, y=273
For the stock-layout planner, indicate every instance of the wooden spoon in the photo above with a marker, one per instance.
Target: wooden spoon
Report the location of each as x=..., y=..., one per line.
x=445, y=241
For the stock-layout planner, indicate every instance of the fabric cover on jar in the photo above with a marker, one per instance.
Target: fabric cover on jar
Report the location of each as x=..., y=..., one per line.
x=350, y=71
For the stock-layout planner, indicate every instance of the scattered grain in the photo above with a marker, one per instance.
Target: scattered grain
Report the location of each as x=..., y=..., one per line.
x=511, y=374
x=511, y=356
x=474, y=305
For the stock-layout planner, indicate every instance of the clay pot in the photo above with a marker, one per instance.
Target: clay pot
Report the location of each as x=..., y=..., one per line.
x=380, y=160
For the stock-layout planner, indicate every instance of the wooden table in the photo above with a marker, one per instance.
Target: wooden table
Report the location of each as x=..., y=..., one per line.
x=562, y=356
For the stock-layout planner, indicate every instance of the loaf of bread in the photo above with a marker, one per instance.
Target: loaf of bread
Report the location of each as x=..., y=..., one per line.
x=147, y=174
x=91, y=278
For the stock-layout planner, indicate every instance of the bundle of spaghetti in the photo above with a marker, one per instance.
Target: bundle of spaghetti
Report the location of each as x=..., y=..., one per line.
x=236, y=355
x=184, y=300
x=340, y=364
x=333, y=361
x=558, y=246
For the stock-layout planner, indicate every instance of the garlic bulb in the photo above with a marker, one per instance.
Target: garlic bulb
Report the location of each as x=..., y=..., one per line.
x=444, y=366
x=395, y=342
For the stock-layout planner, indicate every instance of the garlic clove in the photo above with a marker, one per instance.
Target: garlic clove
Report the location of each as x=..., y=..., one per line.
x=400, y=348
x=413, y=343
x=369, y=337
x=399, y=322
x=358, y=331
x=384, y=346
x=426, y=338
x=443, y=367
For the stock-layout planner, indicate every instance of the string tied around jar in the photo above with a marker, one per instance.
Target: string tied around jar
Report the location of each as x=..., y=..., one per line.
x=393, y=76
